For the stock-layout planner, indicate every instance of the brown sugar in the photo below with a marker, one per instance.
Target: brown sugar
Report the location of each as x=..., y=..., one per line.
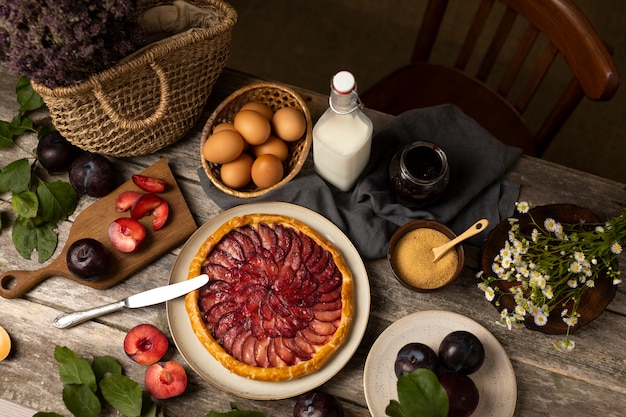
x=412, y=259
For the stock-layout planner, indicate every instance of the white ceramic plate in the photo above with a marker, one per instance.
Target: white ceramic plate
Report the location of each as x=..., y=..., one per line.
x=202, y=362
x=495, y=380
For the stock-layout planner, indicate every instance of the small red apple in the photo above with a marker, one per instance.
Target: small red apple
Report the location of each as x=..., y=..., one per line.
x=165, y=380
x=126, y=234
x=145, y=344
x=150, y=184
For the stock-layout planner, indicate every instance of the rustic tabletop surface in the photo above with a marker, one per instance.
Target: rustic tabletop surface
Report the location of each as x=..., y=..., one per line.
x=591, y=380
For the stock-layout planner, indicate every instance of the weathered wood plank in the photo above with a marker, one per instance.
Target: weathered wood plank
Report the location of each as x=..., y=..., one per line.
x=549, y=383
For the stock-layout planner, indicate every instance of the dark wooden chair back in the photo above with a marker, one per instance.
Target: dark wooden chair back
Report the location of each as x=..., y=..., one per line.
x=529, y=41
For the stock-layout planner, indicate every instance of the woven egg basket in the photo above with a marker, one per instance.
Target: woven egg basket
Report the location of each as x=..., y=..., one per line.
x=275, y=96
x=150, y=100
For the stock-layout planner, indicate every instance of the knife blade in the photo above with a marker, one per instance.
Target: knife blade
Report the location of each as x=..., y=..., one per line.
x=142, y=299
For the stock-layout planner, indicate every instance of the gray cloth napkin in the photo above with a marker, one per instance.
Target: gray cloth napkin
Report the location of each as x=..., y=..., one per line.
x=369, y=215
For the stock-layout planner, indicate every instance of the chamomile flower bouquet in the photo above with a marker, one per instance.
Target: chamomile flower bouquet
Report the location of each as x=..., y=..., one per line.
x=551, y=268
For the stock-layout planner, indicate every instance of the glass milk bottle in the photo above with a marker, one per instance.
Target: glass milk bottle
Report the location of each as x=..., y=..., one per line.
x=342, y=137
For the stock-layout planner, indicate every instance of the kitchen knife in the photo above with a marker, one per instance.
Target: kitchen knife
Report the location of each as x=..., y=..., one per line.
x=146, y=298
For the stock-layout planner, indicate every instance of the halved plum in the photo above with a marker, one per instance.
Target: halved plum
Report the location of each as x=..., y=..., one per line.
x=126, y=234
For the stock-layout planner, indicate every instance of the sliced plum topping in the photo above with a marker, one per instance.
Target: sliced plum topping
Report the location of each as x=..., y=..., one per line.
x=275, y=295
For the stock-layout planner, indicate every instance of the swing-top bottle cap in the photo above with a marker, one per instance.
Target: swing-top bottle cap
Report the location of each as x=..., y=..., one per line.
x=344, y=82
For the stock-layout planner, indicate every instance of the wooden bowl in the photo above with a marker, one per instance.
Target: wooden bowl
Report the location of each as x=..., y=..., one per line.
x=446, y=279
x=275, y=96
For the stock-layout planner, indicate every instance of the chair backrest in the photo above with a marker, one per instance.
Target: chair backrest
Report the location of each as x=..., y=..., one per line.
x=568, y=33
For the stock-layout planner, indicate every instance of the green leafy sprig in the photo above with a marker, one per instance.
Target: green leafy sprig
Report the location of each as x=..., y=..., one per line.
x=419, y=394
x=39, y=204
x=87, y=385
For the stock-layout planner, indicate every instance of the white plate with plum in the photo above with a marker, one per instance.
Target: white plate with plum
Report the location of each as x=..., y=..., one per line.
x=479, y=378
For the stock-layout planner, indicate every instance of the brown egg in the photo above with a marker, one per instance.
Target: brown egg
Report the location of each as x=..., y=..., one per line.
x=289, y=124
x=222, y=147
x=274, y=145
x=223, y=126
x=259, y=108
x=238, y=173
x=253, y=127
x=267, y=170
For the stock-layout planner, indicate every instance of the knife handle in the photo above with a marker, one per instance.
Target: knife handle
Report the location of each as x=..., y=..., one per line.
x=66, y=320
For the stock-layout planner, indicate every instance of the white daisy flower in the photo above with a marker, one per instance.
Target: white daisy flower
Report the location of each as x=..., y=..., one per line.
x=489, y=294
x=576, y=267
x=550, y=224
x=616, y=248
x=522, y=207
x=541, y=319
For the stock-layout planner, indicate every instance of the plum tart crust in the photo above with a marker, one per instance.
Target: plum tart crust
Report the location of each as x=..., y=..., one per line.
x=279, y=302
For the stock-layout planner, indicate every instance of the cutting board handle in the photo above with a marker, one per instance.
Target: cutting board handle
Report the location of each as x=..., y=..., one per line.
x=14, y=284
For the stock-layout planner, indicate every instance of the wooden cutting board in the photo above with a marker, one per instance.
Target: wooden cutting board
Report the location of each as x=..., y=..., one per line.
x=94, y=222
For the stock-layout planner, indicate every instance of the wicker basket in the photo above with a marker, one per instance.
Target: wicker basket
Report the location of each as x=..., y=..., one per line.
x=150, y=100
x=275, y=96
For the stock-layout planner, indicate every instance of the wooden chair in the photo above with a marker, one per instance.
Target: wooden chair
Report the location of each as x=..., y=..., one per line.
x=500, y=106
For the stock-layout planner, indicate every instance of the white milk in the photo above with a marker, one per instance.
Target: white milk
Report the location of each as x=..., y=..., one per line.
x=342, y=137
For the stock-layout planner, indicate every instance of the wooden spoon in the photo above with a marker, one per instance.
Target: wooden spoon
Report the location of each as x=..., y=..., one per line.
x=480, y=225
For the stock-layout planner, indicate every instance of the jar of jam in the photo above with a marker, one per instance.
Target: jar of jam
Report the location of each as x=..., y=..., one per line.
x=419, y=173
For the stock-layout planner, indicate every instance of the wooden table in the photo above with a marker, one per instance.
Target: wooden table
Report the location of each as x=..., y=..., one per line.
x=591, y=380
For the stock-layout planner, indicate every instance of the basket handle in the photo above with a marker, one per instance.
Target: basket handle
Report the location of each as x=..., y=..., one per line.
x=149, y=121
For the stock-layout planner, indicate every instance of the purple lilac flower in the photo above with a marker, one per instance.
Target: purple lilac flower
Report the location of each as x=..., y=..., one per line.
x=61, y=43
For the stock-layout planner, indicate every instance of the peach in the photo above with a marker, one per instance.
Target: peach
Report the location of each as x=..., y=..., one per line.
x=145, y=344
x=165, y=380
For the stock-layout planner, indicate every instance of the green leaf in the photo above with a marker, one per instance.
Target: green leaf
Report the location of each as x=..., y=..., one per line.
x=57, y=200
x=81, y=401
x=124, y=394
x=149, y=408
x=74, y=369
x=419, y=394
x=41, y=414
x=16, y=176
x=395, y=410
x=105, y=365
x=236, y=412
x=28, y=238
x=24, y=239
x=28, y=99
x=6, y=135
x=20, y=125
x=26, y=204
